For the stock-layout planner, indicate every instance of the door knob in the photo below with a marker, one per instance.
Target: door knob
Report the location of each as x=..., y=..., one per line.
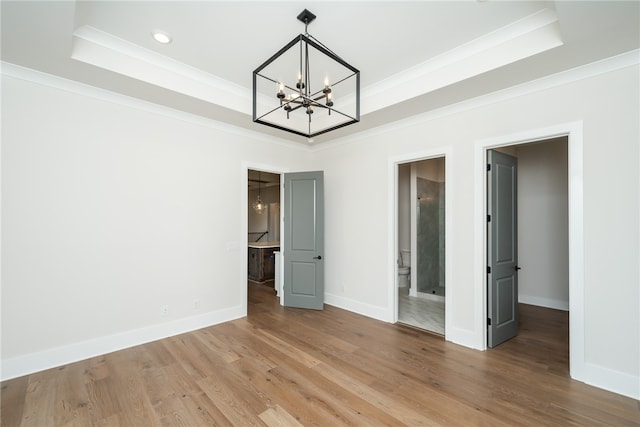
x=317, y=257
x=517, y=268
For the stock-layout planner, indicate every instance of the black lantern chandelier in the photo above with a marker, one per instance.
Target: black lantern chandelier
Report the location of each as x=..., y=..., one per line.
x=305, y=88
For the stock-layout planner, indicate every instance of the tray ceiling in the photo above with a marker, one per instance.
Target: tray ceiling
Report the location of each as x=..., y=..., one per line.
x=413, y=56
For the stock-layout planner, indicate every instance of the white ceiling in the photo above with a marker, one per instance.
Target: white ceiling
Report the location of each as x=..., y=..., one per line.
x=413, y=56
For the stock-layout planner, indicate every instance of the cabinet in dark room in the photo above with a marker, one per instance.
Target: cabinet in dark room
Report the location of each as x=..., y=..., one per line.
x=261, y=261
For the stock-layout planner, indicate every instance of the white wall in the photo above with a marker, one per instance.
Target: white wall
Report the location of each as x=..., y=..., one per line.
x=543, y=231
x=112, y=208
x=605, y=98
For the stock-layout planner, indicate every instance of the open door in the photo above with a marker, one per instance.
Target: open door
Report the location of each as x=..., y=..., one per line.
x=502, y=250
x=304, y=240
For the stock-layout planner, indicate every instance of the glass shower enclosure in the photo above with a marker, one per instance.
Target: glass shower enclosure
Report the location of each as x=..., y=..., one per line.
x=430, y=237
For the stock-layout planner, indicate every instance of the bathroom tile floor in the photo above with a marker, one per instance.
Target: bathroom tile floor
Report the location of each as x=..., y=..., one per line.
x=420, y=312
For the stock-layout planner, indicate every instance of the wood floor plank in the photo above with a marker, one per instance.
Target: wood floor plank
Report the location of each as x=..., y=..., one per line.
x=12, y=401
x=205, y=411
x=72, y=408
x=236, y=405
x=273, y=384
x=103, y=403
x=278, y=417
x=216, y=345
x=191, y=354
x=305, y=332
x=128, y=389
x=301, y=355
x=95, y=369
x=39, y=408
x=172, y=383
x=245, y=344
x=312, y=398
x=291, y=367
x=301, y=390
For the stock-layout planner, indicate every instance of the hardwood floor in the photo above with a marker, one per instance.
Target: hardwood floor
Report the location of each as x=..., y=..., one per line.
x=291, y=367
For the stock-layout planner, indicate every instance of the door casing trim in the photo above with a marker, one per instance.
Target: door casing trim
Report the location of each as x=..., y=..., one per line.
x=574, y=133
x=393, y=249
x=244, y=223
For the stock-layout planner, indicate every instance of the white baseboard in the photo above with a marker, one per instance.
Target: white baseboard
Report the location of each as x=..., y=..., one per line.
x=462, y=337
x=376, y=312
x=466, y=338
x=608, y=379
x=35, y=362
x=614, y=381
x=544, y=302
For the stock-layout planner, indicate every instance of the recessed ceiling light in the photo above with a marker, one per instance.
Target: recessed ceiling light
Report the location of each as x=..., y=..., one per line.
x=161, y=37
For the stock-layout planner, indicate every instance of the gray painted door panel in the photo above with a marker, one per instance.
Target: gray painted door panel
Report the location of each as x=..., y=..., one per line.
x=304, y=240
x=502, y=250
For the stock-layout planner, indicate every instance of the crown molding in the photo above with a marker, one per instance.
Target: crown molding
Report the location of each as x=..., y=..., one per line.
x=104, y=50
x=614, y=63
x=521, y=39
x=624, y=60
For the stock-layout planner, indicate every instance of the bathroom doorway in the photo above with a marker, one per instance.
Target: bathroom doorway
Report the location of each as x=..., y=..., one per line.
x=263, y=226
x=421, y=282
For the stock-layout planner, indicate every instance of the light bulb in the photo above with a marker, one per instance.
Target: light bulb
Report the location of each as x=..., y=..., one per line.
x=300, y=84
x=329, y=100
x=280, y=93
x=259, y=206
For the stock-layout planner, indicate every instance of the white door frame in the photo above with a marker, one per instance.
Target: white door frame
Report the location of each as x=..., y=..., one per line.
x=244, y=224
x=392, y=256
x=573, y=131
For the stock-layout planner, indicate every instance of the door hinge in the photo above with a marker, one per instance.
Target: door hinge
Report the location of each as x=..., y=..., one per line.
x=488, y=167
x=488, y=321
x=488, y=218
x=488, y=270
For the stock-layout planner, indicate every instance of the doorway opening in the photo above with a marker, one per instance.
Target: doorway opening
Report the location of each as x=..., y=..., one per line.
x=539, y=275
x=421, y=244
x=263, y=226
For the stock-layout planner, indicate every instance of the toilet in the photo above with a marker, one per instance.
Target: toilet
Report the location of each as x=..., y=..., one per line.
x=404, y=269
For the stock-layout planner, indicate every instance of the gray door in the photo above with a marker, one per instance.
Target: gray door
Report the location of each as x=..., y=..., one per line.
x=502, y=250
x=304, y=240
